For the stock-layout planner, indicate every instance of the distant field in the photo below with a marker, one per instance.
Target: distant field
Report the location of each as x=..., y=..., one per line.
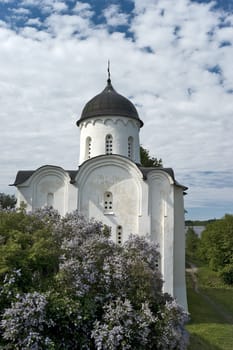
x=211, y=309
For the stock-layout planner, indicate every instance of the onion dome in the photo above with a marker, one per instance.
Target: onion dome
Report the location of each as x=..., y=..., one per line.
x=109, y=103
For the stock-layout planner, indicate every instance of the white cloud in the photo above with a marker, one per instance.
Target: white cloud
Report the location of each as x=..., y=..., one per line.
x=114, y=17
x=59, y=6
x=166, y=67
x=34, y=22
x=3, y=24
x=66, y=25
x=46, y=6
x=83, y=9
x=21, y=11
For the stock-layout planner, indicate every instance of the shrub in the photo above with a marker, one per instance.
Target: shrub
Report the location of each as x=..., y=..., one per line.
x=101, y=296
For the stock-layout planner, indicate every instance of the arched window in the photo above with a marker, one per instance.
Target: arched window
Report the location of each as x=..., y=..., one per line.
x=108, y=144
x=88, y=148
x=130, y=147
x=119, y=235
x=108, y=202
x=50, y=199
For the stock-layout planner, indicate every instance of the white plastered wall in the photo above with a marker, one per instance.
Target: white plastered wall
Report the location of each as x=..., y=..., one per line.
x=179, y=249
x=161, y=212
x=123, y=179
x=48, y=180
x=121, y=128
x=166, y=210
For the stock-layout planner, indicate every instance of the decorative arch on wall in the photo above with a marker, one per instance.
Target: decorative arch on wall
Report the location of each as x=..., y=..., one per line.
x=111, y=120
x=116, y=160
x=48, y=170
x=164, y=182
x=60, y=178
x=98, y=121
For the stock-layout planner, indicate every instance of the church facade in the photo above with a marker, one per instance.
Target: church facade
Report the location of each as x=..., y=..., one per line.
x=110, y=185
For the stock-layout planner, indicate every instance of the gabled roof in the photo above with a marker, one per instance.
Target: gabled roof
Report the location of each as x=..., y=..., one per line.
x=24, y=175
x=146, y=170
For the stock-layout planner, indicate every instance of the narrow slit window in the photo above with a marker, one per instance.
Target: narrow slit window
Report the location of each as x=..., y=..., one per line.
x=50, y=199
x=157, y=264
x=130, y=147
x=119, y=235
x=88, y=148
x=108, y=202
x=108, y=144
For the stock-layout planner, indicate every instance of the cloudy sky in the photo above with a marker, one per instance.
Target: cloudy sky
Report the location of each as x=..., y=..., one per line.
x=172, y=58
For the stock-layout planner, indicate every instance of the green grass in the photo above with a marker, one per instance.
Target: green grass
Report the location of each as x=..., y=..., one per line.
x=209, y=278
x=219, y=292
x=212, y=336
x=210, y=327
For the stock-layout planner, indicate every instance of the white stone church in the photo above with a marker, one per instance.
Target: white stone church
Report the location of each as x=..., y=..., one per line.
x=110, y=185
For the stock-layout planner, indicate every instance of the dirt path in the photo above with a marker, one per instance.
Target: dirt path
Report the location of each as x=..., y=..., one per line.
x=193, y=271
x=227, y=317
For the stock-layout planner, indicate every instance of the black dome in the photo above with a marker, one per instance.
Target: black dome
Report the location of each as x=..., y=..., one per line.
x=109, y=102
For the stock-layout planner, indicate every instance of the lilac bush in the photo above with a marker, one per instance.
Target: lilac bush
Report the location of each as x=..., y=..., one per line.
x=25, y=323
x=100, y=296
x=123, y=327
x=172, y=319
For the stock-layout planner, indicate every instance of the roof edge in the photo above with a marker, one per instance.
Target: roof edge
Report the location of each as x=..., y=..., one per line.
x=105, y=114
x=23, y=175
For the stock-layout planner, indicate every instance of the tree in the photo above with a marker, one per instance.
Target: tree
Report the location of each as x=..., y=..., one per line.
x=147, y=160
x=102, y=296
x=216, y=247
x=192, y=244
x=7, y=201
x=29, y=245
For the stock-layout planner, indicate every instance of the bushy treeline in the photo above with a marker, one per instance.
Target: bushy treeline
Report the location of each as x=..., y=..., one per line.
x=147, y=160
x=214, y=247
x=66, y=285
x=7, y=201
x=192, y=223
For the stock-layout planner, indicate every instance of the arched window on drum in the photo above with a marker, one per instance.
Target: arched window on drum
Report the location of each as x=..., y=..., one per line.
x=88, y=148
x=130, y=147
x=108, y=144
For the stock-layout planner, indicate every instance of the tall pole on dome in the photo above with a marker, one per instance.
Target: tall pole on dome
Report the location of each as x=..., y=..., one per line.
x=109, y=76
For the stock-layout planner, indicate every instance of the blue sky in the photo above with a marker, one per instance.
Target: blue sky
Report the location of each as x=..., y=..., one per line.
x=173, y=61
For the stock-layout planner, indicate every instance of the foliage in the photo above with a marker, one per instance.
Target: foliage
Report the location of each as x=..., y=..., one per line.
x=28, y=244
x=192, y=244
x=25, y=323
x=209, y=329
x=122, y=326
x=99, y=295
x=216, y=247
x=226, y=274
x=199, y=222
x=7, y=201
x=147, y=160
